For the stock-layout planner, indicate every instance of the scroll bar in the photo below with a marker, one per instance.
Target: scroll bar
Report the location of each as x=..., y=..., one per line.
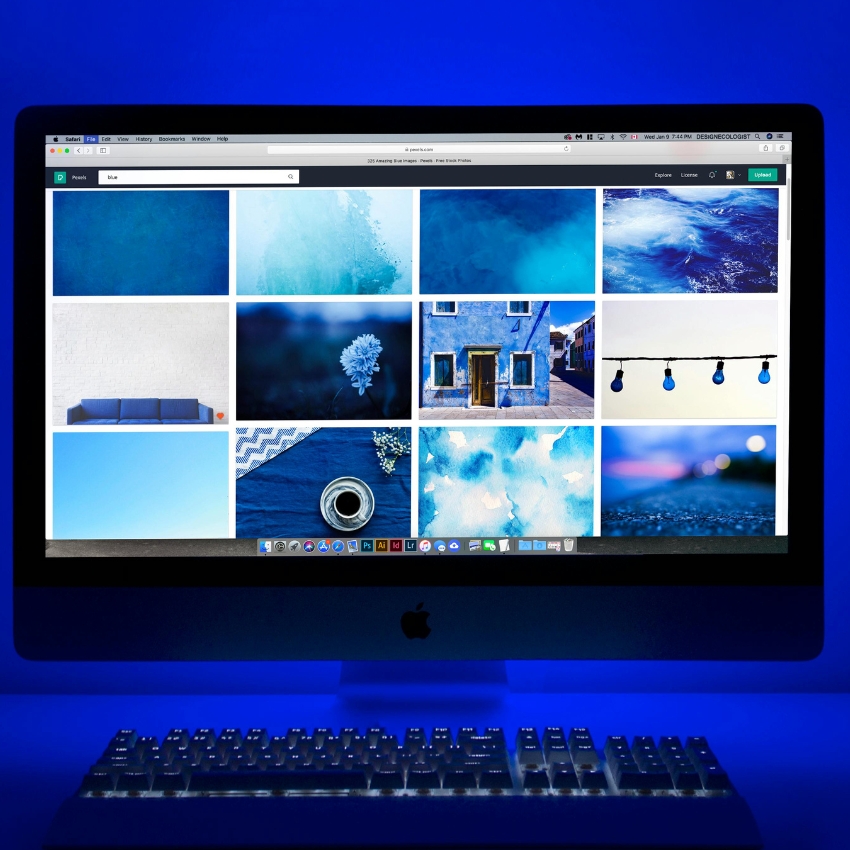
x=788, y=207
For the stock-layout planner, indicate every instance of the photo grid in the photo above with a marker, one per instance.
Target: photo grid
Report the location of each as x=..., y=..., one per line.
x=376, y=364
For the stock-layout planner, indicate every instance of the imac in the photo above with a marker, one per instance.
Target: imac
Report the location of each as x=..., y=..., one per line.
x=418, y=383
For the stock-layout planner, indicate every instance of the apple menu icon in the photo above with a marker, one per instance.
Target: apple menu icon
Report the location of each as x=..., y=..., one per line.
x=414, y=624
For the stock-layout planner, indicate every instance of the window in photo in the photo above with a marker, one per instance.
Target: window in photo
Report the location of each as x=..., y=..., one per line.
x=445, y=308
x=443, y=370
x=522, y=369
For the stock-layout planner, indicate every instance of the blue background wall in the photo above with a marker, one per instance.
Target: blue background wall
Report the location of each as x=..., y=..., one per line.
x=457, y=53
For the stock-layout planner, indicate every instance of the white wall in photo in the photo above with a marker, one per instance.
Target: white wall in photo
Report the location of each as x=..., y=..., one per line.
x=136, y=350
x=689, y=329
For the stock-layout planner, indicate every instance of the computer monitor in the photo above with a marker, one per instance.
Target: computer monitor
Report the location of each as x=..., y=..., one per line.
x=419, y=383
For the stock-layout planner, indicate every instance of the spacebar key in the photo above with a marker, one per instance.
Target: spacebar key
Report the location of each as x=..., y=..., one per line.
x=279, y=780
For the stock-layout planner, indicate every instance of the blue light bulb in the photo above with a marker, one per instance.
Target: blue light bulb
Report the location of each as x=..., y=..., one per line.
x=669, y=383
x=617, y=383
x=764, y=375
x=717, y=377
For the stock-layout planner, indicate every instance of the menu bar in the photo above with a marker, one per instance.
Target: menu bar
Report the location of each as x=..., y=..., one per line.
x=582, y=135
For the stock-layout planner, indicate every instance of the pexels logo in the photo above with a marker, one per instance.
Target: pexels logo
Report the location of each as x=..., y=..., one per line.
x=414, y=624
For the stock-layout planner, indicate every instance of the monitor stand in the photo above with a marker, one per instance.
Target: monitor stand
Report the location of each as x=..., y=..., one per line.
x=388, y=685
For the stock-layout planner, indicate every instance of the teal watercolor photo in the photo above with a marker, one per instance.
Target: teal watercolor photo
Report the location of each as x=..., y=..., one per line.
x=506, y=481
x=324, y=242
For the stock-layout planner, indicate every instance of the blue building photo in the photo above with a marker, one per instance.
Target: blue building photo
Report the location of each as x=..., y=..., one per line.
x=500, y=360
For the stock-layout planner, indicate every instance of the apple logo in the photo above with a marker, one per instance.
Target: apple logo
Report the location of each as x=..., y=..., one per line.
x=414, y=624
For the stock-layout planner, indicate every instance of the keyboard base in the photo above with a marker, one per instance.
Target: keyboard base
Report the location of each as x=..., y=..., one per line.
x=310, y=822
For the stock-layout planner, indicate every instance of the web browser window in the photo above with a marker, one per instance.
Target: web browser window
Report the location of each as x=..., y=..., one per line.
x=535, y=344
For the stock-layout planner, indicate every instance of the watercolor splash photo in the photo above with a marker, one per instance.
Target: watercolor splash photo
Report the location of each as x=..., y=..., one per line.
x=504, y=480
x=324, y=242
x=507, y=241
x=316, y=360
x=690, y=239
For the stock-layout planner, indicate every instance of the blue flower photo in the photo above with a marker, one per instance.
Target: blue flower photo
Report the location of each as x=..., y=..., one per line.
x=314, y=360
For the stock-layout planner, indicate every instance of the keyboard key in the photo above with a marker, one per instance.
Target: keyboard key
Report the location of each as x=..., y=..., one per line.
x=495, y=778
x=593, y=779
x=98, y=779
x=714, y=777
x=170, y=780
x=387, y=777
x=535, y=779
x=417, y=779
x=133, y=780
x=459, y=778
x=564, y=776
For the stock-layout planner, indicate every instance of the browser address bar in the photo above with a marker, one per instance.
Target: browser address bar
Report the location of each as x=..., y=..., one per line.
x=436, y=148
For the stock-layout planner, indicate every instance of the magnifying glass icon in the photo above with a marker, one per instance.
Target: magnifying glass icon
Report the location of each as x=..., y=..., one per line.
x=291, y=176
x=758, y=136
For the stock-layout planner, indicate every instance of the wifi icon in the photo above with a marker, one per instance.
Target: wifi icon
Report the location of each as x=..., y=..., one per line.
x=623, y=135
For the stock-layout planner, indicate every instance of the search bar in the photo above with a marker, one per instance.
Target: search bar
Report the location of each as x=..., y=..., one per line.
x=415, y=148
x=197, y=177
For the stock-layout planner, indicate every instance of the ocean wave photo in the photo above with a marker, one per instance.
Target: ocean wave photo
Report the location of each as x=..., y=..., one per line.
x=700, y=239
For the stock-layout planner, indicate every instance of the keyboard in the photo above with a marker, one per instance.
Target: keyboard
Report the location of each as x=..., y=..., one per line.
x=373, y=787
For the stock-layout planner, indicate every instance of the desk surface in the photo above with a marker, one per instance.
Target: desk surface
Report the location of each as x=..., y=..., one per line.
x=50, y=741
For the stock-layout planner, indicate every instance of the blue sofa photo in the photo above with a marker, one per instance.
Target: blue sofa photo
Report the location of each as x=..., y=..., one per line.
x=140, y=411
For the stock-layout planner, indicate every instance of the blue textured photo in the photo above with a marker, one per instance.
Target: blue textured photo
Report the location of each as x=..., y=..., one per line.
x=507, y=241
x=140, y=243
x=700, y=239
x=689, y=481
x=508, y=481
x=324, y=242
x=282, y=473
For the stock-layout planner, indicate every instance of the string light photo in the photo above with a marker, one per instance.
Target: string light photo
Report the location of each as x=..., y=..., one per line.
x=717, y=378
x=678, y=359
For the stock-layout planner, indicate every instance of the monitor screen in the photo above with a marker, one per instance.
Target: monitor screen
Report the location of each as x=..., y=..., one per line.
x=419, y=383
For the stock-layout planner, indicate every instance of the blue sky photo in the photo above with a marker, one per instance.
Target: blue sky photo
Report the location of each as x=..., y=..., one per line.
x=140, y=485
x=566, y=316
x=507, y=241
